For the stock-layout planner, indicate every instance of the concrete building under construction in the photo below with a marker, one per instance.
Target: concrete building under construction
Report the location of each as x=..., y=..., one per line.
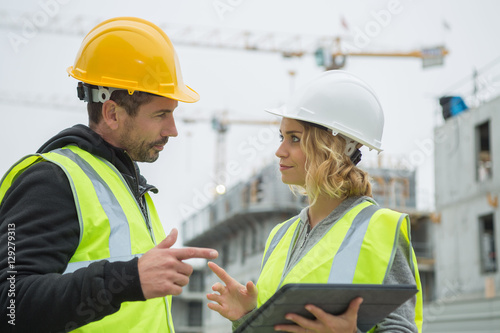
x=467, y=237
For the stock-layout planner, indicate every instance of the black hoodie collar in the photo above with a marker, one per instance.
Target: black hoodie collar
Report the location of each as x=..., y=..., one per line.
x=85, y=138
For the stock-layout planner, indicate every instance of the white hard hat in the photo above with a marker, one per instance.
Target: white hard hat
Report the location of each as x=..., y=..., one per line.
x=342, y=102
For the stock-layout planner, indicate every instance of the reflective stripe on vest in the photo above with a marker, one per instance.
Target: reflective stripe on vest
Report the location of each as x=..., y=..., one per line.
x=275, y=236
x=112, y=227
x=358, y=248
x=344, y=263
x=119, y=237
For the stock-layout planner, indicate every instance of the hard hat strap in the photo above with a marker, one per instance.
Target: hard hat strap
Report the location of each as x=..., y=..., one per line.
x=356, y=157
x=351, y=149
x=96, y=94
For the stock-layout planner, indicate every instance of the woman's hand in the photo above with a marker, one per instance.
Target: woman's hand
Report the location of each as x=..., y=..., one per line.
x=233, y=299
x=324, y=322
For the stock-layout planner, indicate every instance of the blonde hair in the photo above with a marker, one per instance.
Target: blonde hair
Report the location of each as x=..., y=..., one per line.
x=329, y=171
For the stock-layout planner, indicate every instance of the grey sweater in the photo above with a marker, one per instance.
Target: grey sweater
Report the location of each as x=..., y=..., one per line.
x=402, y=319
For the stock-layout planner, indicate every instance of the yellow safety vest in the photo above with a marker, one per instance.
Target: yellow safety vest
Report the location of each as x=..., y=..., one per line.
x=358, y=249
x=112, y=227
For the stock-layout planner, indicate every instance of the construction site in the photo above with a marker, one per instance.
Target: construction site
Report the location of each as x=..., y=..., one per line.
x=219, y=181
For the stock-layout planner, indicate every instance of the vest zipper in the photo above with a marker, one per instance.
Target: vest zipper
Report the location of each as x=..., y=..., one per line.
x=144, y=211
x=141, y=201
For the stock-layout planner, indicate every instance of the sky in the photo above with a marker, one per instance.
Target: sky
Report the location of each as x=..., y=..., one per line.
x=37, y=98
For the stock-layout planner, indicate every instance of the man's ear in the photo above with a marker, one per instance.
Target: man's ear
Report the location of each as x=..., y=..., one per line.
x=111, y=114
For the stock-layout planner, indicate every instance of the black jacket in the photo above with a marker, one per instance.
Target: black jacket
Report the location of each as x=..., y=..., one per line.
x=39, y=211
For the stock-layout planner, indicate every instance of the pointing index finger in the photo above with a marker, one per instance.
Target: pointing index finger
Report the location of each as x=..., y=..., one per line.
x=220, y=272
x=195, y=252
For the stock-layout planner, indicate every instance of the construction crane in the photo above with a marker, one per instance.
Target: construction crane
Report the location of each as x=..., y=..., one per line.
x=334, y=56
x=330, y=51
x=220, y=123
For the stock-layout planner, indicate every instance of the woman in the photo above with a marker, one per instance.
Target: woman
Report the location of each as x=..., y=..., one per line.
x=342, y=236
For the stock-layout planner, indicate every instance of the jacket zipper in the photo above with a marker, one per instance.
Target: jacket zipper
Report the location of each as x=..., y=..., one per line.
x=308, y=231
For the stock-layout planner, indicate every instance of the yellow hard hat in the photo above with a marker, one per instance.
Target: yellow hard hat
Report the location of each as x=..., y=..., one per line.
x=132, y=54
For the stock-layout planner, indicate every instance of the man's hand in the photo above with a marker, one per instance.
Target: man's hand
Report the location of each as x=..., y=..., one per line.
x=162, y=270
x=233, y=299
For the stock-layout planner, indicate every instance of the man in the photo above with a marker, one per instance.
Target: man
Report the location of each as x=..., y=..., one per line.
x=86, y=251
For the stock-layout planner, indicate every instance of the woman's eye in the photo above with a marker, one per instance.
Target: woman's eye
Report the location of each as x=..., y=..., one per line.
x=292, y=138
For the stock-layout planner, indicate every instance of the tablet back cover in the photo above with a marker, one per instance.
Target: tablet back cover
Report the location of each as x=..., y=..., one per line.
x=378, y=302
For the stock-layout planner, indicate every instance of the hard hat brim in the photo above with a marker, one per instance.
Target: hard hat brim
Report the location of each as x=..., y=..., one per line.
x=281, y=112
x=277, y=111
x=184, y=93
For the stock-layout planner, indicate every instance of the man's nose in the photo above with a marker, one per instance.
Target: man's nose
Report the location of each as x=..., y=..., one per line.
x=170, y=128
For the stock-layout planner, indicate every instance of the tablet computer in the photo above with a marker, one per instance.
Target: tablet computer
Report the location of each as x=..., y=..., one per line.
x=378, y=302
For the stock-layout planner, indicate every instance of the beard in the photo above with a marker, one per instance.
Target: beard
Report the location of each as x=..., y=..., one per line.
x=144, y=152
x=141, y=150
